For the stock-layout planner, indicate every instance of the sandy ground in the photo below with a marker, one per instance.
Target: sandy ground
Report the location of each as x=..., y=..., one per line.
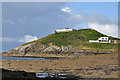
x=85, y=66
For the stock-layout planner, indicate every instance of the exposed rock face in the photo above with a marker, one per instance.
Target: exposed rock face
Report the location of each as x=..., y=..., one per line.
x=55, y=49
x=22, y=50
x=50, y=48
x=66, y=49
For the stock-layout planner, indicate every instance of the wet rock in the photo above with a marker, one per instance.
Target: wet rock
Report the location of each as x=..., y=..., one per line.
x=107, y=72
x=17, y=74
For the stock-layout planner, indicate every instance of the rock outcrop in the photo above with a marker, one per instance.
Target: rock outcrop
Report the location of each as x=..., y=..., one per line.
x=50, y=48
x=22, y=50
x=25, y=49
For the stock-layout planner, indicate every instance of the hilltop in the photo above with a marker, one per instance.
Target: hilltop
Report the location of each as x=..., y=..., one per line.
x=72, y=37
x=78, y=38
x=76, y=41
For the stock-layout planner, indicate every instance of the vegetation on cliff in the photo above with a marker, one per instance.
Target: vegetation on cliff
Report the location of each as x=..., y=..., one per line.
x=79, y=39
x=76, y=42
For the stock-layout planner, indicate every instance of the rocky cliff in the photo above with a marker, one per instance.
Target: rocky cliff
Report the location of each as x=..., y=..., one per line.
x=50, y=48
x=74, y=42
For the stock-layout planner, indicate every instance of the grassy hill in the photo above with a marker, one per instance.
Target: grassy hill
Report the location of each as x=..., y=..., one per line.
x=78, y=39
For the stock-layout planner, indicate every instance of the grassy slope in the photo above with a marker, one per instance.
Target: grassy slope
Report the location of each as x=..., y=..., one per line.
x=78, y=39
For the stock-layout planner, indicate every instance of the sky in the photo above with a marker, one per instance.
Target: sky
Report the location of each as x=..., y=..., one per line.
x=23, y=22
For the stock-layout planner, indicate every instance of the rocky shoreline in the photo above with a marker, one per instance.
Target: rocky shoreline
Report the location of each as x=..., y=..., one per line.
x=84, y=66
x=8, y=74
x=65, y=59
x=33, y=49
x=14, y=75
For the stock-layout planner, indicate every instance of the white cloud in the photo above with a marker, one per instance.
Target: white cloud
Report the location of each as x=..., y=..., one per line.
x=67, y=10
x=28, y=38
x=108, y=29
x=7, y=39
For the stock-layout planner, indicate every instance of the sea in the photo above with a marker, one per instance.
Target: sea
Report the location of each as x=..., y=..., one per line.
x=21, y=58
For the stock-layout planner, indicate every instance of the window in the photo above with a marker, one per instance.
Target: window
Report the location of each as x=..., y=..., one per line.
x=102, y=38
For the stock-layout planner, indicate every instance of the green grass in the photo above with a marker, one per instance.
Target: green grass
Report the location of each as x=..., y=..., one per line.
x=106, y=46
x=78, y=39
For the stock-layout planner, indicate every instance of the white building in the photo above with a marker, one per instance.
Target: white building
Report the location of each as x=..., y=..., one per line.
x=63, y=30
x=103, y=38
x=94, y=41
x=100, y=40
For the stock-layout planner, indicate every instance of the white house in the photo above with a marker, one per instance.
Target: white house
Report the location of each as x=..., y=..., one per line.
x=103, y=38
x=63, y=30
x=100, y=40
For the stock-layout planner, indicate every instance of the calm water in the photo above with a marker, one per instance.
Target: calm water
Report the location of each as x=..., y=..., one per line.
x=20, y=58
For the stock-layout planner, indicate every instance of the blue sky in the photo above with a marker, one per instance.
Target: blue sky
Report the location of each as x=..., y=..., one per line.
x=109, y=9
x=25, y=21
